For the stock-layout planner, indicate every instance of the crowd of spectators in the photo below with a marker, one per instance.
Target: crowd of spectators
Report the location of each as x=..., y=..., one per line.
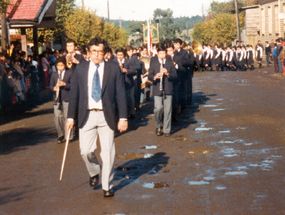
x=24, y=75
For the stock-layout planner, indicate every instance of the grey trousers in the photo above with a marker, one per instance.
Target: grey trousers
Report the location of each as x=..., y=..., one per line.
x=95, y=126
x=163, y=111
x=60, y=117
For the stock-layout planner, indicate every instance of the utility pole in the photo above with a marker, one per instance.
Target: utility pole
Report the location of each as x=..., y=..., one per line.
x=108, y=10
x=202, y=12
x=237, y=18
x=82, y=3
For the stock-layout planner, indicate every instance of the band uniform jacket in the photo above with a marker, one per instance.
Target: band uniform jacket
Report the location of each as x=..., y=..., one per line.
x=131, y=72
x=64, y=91
x=113, y=96
x=182, y=59
x=167, y=81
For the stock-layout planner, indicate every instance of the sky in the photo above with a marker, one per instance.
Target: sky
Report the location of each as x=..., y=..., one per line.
x=142, y=10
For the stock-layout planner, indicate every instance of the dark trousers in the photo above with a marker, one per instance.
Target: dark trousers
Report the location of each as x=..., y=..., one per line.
x=276, y=68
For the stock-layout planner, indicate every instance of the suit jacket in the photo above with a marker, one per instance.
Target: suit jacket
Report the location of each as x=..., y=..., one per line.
x=131, y=72
x=167, y=81
x=182, y=59
x=64, y=91
x=114, y=99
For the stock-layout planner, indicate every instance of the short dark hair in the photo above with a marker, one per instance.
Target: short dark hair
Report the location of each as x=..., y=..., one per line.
x=96, y=41
x=161, y=47
x=178, y=40
x=61, y=60
x=128, y=48
x=120, y=50
x=108, y=50
x=71, y=41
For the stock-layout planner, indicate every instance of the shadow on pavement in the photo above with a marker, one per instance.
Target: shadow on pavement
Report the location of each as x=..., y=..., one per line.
x=132, y=170
x=19, y=139
x=187, y=116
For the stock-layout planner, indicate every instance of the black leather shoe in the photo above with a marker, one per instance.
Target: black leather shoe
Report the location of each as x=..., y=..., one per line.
x=94, y=181
x=108, y=193
x=158, y=132
x=60, y=140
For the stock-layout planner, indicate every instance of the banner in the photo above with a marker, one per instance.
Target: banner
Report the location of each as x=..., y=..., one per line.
x=154, y=33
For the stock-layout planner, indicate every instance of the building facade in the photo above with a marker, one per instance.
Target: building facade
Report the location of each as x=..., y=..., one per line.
x=265, y=21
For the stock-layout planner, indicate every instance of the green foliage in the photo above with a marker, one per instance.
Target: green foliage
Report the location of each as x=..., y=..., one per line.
x=184, y=21
x=3, y=5
x=115, y=36
x=224, y=7
x=63, y=9
x=168, y=27
x=83, y=24
x=220, y=29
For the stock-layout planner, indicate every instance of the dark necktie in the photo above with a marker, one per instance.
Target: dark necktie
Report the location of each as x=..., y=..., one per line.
x=96, y=88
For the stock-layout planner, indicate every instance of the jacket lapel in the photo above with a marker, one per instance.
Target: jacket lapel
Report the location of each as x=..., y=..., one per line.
x=105, y=76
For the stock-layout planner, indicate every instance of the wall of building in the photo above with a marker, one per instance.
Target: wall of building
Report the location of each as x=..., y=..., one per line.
x=262, y=23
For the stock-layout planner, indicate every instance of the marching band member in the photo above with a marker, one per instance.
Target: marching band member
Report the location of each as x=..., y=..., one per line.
x=259, y=51
x=60, y=85
x=217, y=57
x=250, y=57
x=181, y=58
x=129, y=71
x=162, y=73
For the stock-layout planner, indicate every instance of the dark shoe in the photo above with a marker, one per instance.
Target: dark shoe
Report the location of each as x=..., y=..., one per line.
x=60, y=140
x=94, y=181
x=167, y=135
x=108, y=193
x=158, y=132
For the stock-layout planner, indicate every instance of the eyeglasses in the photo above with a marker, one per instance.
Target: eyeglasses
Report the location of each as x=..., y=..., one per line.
x=100, y=52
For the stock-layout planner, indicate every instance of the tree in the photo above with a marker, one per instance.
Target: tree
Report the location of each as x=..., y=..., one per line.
x=83, y=24
x=221, y=29
x=63, y=9
x=115, y=36
x=168, y=27
x=4, y=35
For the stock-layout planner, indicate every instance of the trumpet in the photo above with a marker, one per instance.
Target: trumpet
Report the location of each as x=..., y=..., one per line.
x=69, y=61
x=161, y=78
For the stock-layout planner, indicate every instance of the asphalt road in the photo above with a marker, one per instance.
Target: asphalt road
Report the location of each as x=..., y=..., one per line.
x=225, y=156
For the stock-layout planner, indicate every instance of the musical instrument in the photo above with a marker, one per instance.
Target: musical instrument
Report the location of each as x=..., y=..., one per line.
x=197, y=47
x=161, y=78
x=58, y=88
x=144, y=77
x=69, y=61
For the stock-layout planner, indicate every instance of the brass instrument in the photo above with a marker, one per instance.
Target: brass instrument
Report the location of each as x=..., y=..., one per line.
x=69, y=61
x=144, y=77
x=197, y=47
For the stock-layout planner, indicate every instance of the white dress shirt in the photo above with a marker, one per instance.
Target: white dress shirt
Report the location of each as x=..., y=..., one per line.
x=92, y=68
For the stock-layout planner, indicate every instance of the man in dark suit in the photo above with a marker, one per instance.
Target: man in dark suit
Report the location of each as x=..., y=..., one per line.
x=60, y=85
x=162, y=73
x=129, y=71
x=181, y=58
x=98, y=95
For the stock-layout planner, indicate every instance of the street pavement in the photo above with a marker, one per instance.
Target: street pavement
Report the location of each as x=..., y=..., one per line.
x=225, y=156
